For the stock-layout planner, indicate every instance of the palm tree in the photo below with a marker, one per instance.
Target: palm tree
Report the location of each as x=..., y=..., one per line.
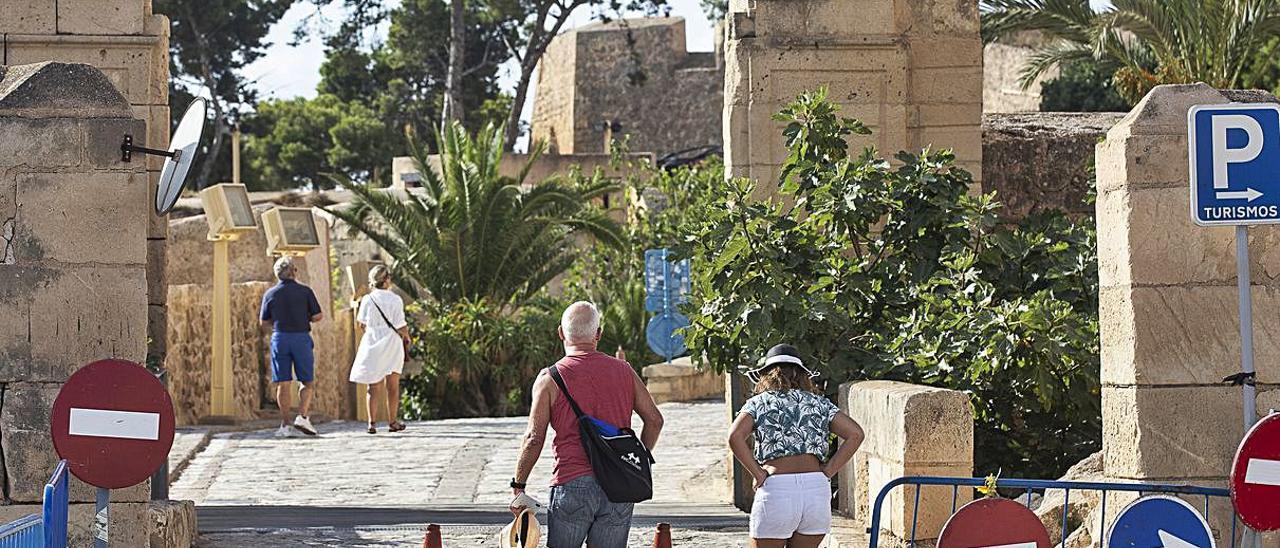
x=474, y=234
x=1145, y=42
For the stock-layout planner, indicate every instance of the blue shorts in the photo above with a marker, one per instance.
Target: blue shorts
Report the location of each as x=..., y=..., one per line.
x=290, y=353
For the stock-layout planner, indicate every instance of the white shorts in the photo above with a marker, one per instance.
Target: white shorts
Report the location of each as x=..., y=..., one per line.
x=792, y=503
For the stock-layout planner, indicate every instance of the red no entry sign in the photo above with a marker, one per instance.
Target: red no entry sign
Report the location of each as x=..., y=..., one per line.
x=1255, y=476
x=113, y=422
x=994, y=523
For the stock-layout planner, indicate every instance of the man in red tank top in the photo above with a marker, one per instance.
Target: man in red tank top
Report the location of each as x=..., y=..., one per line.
x=607, y=389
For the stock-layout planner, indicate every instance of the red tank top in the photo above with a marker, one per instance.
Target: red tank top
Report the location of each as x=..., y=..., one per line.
x=604, y=388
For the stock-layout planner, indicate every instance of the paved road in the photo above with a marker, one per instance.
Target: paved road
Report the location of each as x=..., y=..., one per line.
x=349, y=488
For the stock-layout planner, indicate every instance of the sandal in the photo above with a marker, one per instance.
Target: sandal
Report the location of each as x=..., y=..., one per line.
x=373, y=429
x=397, y=426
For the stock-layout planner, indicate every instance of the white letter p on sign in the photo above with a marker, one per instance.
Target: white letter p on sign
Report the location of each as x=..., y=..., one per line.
x=1223, y=155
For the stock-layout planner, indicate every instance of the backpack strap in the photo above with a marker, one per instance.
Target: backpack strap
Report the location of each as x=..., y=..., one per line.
x=555, y=375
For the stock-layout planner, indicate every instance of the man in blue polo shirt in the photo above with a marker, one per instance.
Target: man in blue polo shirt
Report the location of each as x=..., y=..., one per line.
x=290, y=308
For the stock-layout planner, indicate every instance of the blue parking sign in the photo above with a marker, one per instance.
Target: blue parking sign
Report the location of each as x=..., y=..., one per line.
x=1160, y=521
x=1234, y=154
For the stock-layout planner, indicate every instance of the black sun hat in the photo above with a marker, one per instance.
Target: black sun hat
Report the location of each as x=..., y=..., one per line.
x=781, y=354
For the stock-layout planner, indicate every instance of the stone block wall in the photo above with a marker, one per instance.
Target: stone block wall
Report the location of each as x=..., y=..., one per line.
x=910, y=430
x=1002, y=65
x=635, y=72
x=130, y=44
x=681, y=381
x=1168, y=305
x=73, y=266
x=911, y=70
x=1042, y=160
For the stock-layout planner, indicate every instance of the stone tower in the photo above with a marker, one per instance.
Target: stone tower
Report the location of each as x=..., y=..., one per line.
x=631, y=78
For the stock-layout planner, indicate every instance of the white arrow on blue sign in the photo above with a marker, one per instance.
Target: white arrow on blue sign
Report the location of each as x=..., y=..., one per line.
x=1160, y=521
x=1234, y=153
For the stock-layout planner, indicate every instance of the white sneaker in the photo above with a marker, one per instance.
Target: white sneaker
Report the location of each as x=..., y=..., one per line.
x=303, y=424
x=285, y=432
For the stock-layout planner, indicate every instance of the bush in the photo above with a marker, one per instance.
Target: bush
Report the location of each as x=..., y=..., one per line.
x=879, y=271
x=658, y=204
x=478, y=360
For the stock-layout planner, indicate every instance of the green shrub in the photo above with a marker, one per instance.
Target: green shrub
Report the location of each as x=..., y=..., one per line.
x=894, y=271
x=478, y=360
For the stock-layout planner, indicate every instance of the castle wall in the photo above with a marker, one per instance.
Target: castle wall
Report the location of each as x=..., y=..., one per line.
x=636, y=73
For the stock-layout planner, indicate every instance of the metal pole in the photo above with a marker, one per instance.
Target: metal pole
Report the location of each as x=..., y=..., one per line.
x=102, y=518
x=1246, y=324
x=160, y=479
x=1250, y=539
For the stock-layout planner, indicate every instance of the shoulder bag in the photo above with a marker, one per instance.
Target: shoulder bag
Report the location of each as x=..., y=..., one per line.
x=620, y=461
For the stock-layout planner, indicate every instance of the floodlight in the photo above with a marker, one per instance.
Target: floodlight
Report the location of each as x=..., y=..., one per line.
x=290, y=230
x=227, y=208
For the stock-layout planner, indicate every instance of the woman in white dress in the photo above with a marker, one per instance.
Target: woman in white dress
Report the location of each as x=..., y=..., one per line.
x=380, y=358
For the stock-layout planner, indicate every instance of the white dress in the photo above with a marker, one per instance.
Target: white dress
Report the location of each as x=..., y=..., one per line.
x=381, y=352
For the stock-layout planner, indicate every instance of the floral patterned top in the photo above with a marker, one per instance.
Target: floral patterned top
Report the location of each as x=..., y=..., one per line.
x=791, y=422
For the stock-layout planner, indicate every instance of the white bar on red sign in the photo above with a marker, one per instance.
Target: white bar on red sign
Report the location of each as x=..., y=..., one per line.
x=105, y=423
x=1263, y=472
x=1018, y=545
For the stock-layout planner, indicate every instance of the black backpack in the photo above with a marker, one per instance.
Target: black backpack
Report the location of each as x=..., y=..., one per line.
x=620, y=462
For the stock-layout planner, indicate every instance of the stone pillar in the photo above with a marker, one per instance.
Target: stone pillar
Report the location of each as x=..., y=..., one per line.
x=128, y=43
x=73, y=278
x=910, y=69
x=1168, y=306
x=910, y=430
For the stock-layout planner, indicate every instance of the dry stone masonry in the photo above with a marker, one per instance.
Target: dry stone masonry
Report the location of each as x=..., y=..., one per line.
x=73, y=287
x=910, y=69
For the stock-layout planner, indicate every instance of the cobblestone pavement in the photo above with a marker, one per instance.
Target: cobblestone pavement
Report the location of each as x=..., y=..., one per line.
x=457, y=464
x=373, y=537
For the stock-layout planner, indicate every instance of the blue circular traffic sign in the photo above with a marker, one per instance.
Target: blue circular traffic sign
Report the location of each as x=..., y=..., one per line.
x=1160, y=521
x=663, y=336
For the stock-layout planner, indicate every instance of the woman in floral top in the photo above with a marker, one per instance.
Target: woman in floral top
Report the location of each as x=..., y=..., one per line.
x=791, y=425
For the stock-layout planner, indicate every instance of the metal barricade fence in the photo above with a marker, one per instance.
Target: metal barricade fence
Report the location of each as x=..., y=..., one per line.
x=56, y=500
x=47, y=530
x=1029, y=486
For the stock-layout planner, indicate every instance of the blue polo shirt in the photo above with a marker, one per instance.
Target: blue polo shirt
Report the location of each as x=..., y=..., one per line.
x=290, y=305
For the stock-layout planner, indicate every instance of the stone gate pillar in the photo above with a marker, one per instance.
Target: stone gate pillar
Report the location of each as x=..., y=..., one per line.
x=1168, y=305
x=73, y=275
x=130, y=45
x=910, y=69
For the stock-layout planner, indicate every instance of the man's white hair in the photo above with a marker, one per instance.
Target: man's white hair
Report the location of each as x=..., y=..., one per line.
x=580, y=322
x=284, y=268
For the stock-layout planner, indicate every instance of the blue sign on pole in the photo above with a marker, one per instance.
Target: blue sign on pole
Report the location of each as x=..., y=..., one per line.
x=1160, y=521
x=1234, y=153
x=666, y=286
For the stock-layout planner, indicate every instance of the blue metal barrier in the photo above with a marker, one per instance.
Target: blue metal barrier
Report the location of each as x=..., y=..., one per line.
x=1032, y=485
x=56, y=494
x=27, y=532
x=48, y=530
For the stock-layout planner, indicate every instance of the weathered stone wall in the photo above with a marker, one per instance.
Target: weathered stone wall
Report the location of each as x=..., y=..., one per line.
x=73, y=268
x=189, y=269
x=911, y=70
x=910, y=430
x=1002, y=65
x=129, y=44
x=663, y=97
x=1039, y=161
x=1170, y=331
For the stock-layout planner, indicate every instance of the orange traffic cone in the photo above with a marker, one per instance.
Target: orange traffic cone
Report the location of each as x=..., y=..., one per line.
x=663, y=538
x=433, y=537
